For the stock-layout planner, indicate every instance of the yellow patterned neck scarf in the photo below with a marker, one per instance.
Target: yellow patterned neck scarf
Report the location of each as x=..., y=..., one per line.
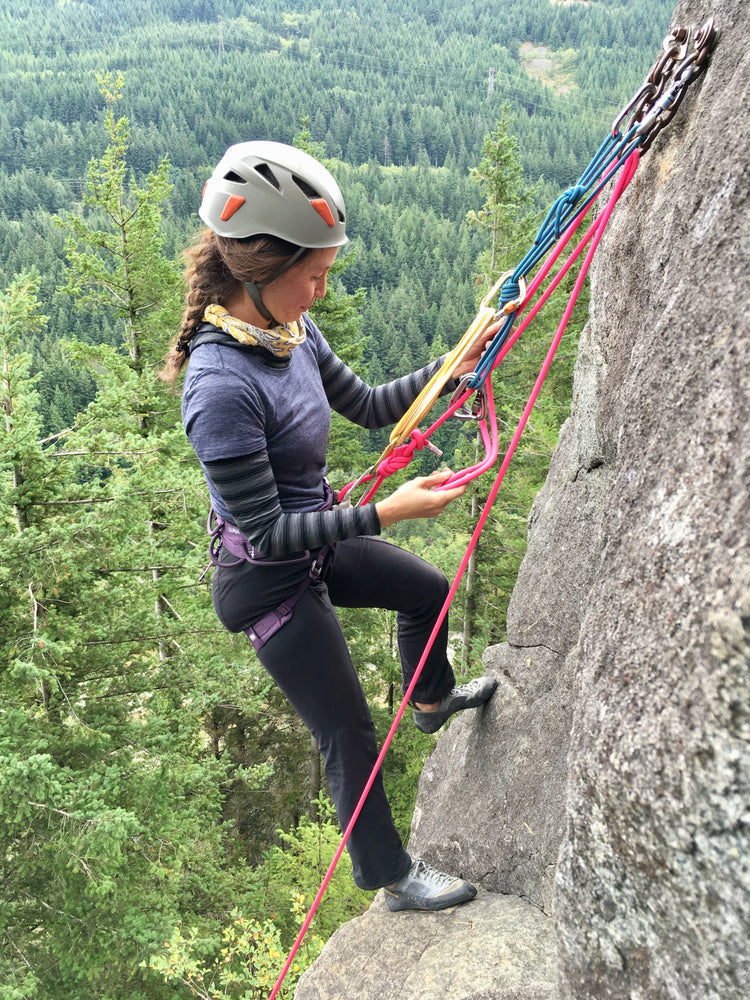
x=279, y=340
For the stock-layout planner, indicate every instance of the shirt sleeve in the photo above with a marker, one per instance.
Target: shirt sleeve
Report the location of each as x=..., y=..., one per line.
x=223, y=415
x=248, y=488
x=377, y=406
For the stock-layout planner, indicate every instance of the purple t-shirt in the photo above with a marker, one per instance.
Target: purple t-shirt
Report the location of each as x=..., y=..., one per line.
x=235, y=403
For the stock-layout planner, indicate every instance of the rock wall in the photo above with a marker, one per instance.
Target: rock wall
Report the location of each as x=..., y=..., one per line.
x=605, y=789
x=653, y=885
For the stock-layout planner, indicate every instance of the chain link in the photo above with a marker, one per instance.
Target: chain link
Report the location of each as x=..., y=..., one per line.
x=683, y=57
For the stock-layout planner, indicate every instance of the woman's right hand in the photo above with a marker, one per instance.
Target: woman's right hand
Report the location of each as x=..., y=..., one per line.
x=417, y=498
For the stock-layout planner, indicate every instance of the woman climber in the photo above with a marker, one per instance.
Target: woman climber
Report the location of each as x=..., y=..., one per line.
x=260, y=384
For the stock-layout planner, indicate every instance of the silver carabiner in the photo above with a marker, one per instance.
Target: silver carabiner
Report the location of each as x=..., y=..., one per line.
x=478, y=410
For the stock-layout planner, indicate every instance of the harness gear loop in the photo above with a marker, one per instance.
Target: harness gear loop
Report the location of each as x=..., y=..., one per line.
x=224, y=534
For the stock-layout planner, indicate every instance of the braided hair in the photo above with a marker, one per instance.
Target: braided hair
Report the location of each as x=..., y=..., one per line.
x=216, y=268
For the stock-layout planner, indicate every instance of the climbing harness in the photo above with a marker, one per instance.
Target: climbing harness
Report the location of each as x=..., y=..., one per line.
x=683, y=58
x=225, y=535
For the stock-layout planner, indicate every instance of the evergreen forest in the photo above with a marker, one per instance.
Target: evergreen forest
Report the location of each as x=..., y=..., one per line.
x=165, y=822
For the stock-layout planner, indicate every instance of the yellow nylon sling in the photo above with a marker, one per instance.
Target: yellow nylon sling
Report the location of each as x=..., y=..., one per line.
x=427, y=398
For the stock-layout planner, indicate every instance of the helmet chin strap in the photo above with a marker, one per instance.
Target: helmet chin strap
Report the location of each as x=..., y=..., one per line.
x=254, y=288
x=253, y=291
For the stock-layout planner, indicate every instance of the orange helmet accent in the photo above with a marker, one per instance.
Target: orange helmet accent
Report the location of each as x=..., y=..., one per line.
x=234, y=201
x=323, y=209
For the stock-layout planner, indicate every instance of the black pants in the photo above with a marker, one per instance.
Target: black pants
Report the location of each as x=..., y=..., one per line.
x=309, y=660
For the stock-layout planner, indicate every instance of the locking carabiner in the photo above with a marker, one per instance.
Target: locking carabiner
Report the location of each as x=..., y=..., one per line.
x=478, y=409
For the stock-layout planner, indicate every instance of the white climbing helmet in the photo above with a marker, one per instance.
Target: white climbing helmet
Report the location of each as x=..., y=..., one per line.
x=270, y=188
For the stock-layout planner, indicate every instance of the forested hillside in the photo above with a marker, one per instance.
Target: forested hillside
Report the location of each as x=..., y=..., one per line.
x=154, y=787
x=381, y=85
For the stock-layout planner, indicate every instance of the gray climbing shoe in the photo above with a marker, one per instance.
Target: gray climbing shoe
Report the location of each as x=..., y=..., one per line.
x=470, y=695
x=425, y=888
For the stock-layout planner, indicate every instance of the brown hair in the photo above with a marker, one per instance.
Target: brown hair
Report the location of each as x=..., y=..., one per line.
x=216, y=267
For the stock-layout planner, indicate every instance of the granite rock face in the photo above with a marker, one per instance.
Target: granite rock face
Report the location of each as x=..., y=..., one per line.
x=604, y=791
x=653, y=885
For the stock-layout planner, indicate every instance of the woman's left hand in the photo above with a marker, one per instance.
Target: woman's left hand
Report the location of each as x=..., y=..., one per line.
x=418, y=498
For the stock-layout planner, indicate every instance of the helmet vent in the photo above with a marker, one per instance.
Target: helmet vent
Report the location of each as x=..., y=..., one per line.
x=234, y=178
x=307, y=190
x=265, y=171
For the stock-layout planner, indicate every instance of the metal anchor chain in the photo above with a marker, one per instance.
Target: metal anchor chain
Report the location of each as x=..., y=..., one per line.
x=683, y=58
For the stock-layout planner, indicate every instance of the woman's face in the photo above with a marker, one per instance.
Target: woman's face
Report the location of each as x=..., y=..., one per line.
x=296, y=290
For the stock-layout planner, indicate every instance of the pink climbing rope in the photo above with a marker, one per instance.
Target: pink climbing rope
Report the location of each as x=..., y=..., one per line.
x=593, y=237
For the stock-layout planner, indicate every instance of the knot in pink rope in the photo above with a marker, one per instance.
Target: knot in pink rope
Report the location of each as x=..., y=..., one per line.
x=401, y=456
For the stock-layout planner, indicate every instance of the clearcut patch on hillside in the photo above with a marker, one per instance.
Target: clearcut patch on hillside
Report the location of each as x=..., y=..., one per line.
x=554, y=67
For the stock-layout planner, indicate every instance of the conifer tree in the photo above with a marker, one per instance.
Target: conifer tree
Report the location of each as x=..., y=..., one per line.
x=107, y=790
x=115, y=251
x=21, y=454
x=507, y=199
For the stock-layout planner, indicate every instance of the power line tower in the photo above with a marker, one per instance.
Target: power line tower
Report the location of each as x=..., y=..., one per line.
x=491, y=82
x=221, y=37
